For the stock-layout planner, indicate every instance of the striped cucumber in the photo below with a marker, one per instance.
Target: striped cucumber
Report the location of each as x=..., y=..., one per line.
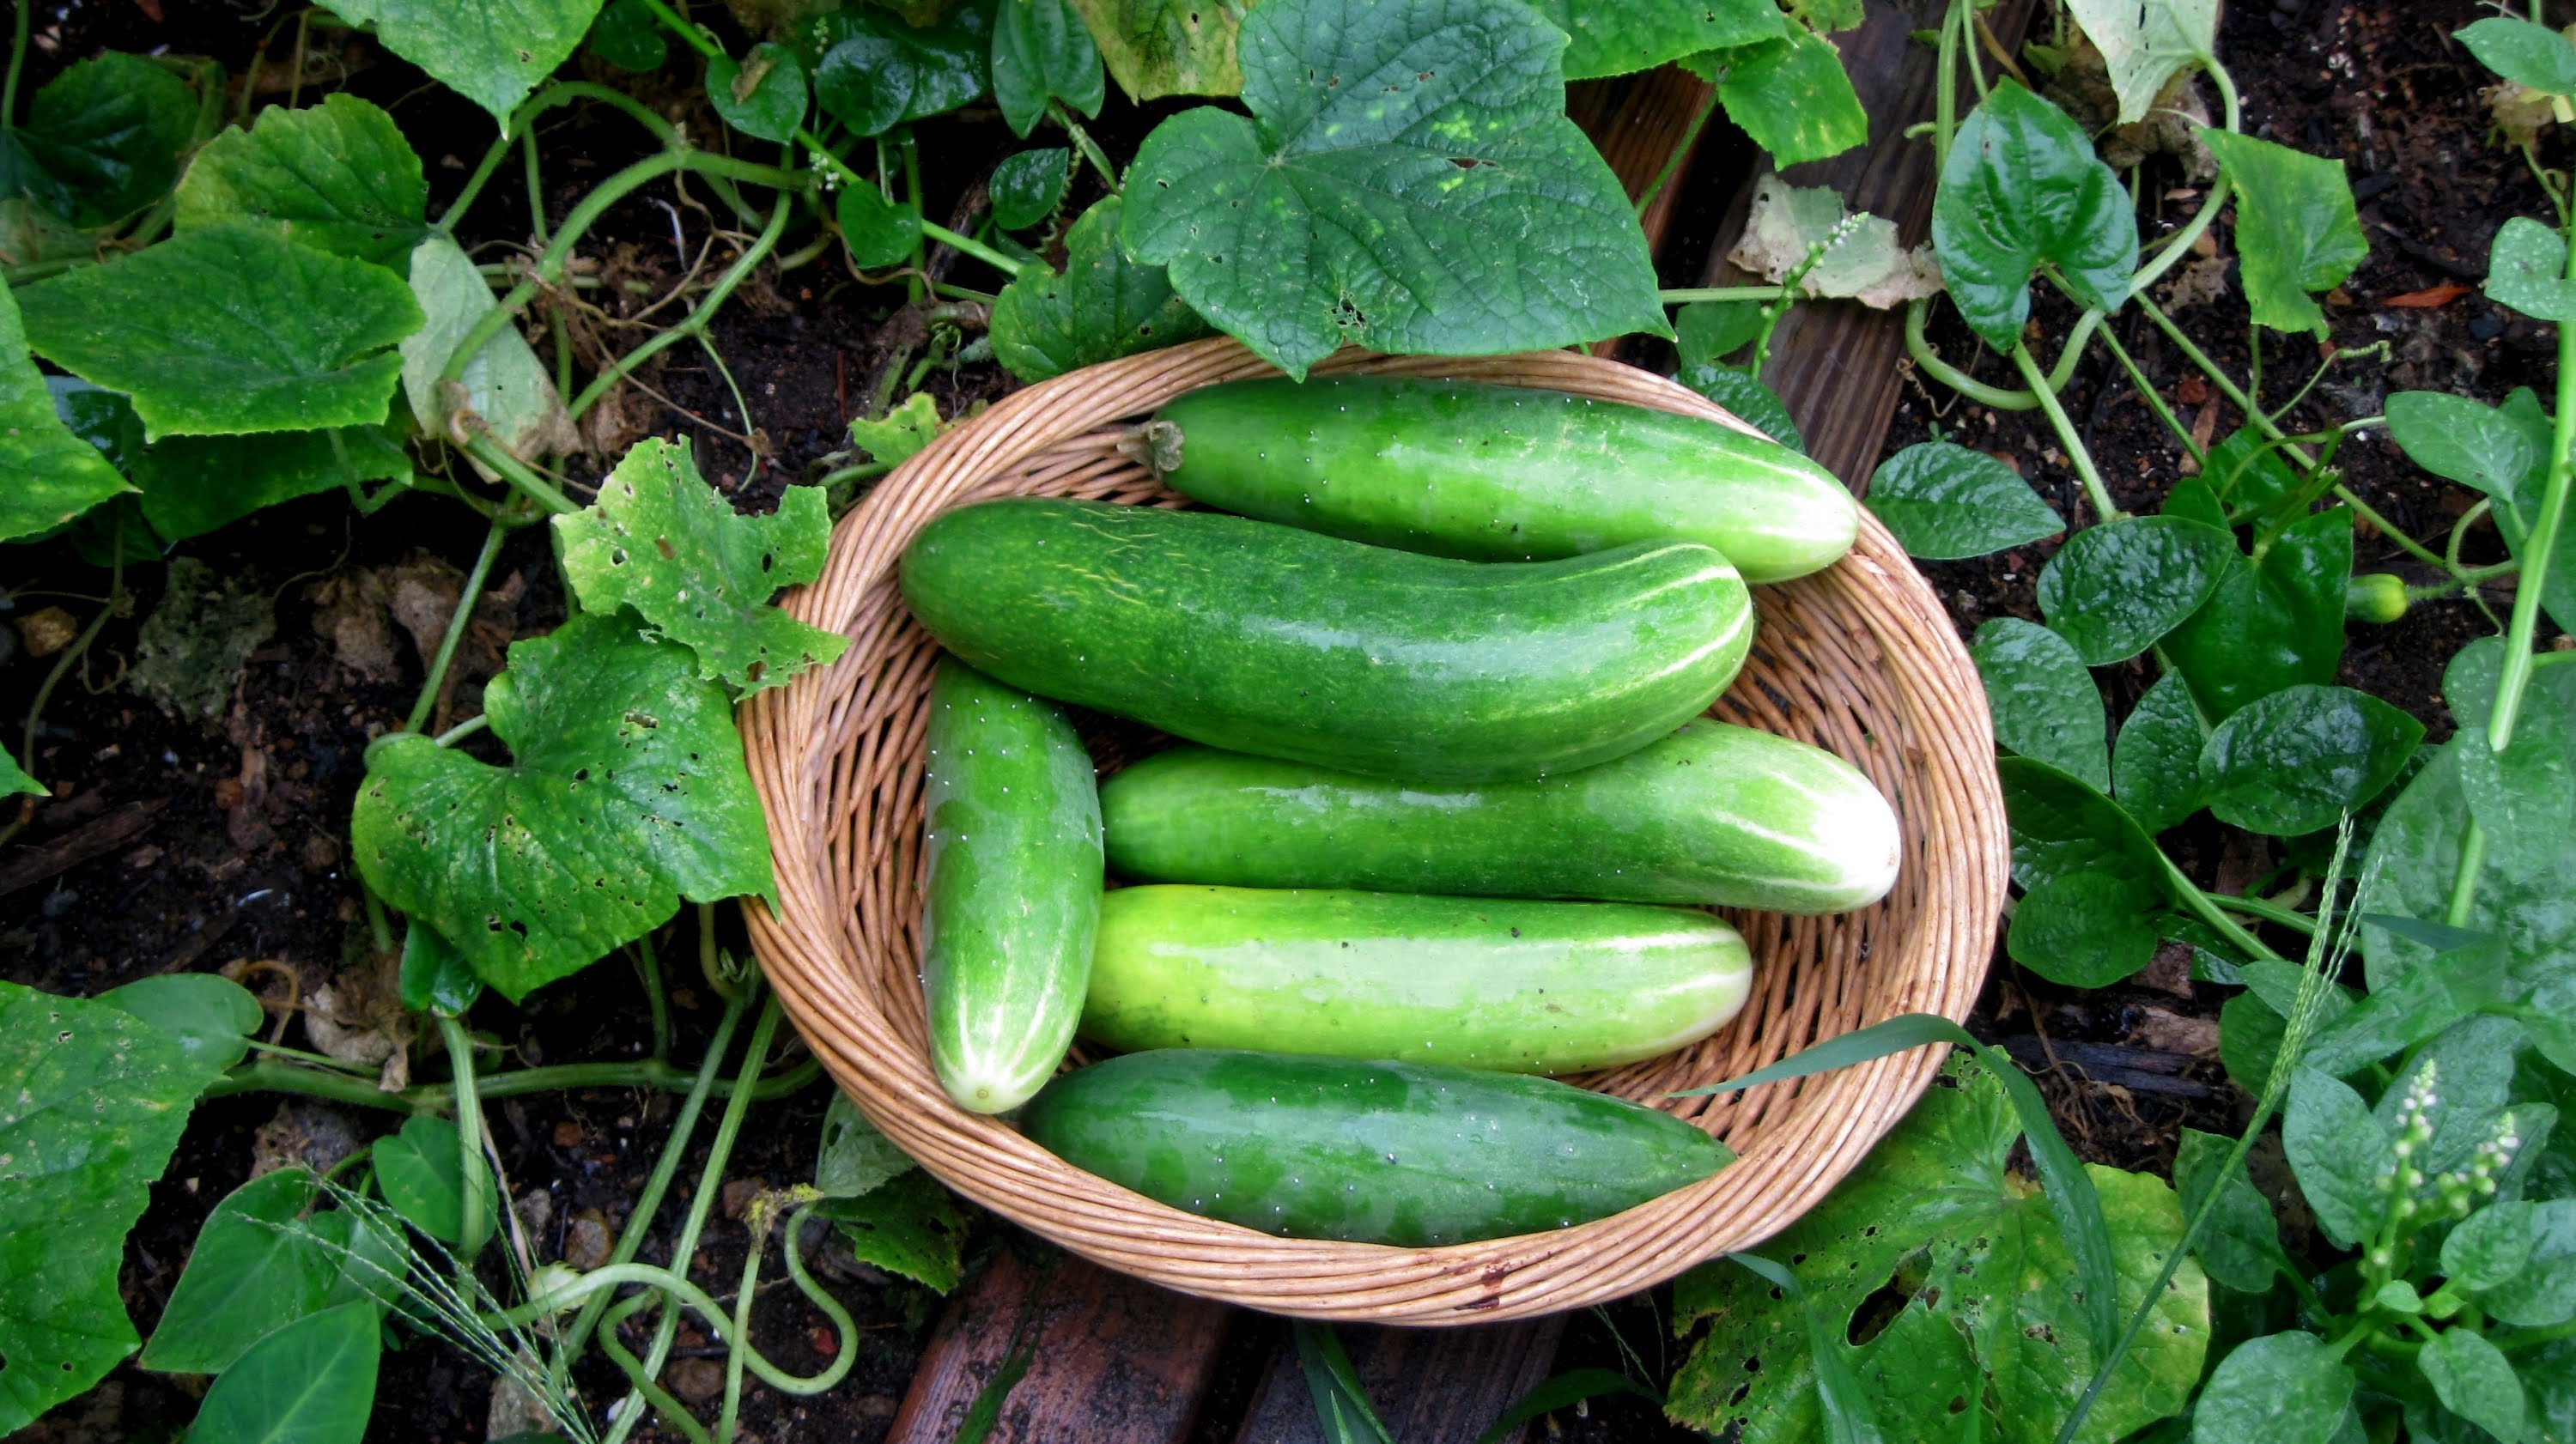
x=1013, y=898
x=1712, y=814
x=1500, y=983
x=1411, y=1154
x=1498, y=473
x=1267, y=639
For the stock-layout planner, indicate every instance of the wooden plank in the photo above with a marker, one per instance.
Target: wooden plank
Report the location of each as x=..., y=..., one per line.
x=1835, y=363
x=1106, y=1359
x=1635, y=121
x=1429, y=1386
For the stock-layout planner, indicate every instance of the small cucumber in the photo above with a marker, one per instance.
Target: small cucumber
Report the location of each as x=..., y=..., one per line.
x=1498, y=473
x=1501, y=983
x=1013, y=899
x=1267, y=639
x=1713, y=814
x=1399, y=1153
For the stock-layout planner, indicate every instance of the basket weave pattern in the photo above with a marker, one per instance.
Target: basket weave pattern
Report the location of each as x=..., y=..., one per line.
x=1859, y=659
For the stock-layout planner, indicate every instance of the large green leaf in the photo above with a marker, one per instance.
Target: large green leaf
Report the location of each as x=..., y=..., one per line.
x=2295, y=228
x=52, y=474
x=504, y=384
x=257, y=1264
x=92, y=1100
x=1408, y=181
x=2062, y=825
x=1167, y=47
x=1041, y=52
x=660, y=540
x=1101, y=307
x=1934, y=1214
x=761, y=95
x=108, y=133
x=2043, y=699
x=2115, y=589
x=338, y=176
x=2279, y=1389
x=2144, y=46
x=2299, y=759
x=1614, y=37
x=492, y=52
x=2474, y=1381
x=627, y=792
x=2022, y=189
x=422, y=1172
x=1790, y=95
x=2340, y=1153
x=194, y=484
x=2155, y=766
x=2270, y=624
x=212, y=1018
x=873, y=72
x=1944, y=502
x=229, y=330
x=311, y=1382
x=2523, y=52
x=2087, y=929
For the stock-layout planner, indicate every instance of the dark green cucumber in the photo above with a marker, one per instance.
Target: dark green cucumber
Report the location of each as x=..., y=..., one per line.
x=1713, y=814
x=1013, y=898
x=1399, y=1153
x=1498, y=473
x=1501, y=983
x=1267, y=639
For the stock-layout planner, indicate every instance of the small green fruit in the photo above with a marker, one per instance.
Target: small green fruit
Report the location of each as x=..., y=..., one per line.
x=2374, y=597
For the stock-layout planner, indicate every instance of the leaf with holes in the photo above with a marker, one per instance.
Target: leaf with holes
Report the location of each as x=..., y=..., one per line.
x=901, y=433
x=2295, y=227
x=230, y=330
x=873, y=72
x=1934, y=1215
x=104, y=138
x=1041, y=52
x=1944, y=502
x=1027, y=186
x=761, y=95
x=53, y=475
x=2043, y=698
x=2144, y=46
x=1156, y=48
x=1100, y=307
x=909, y=1225
x=1790, y=95
x=1616, y=37
x=336, y=176
x=2022, y=189
x=660, y=540
x=492, y=52
x=627, y=792
x=92, y=1101
x=1408, y=181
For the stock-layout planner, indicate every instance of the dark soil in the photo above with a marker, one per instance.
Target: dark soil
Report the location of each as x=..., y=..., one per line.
x=176, y=844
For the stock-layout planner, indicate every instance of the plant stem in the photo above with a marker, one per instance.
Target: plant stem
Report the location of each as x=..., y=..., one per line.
x=697, y=321
x=2103, y=507
x=2269, y=912
x=466, y=598
x=2207, y=909
x=690, y=35
x=265, y=1077
x=1687, y=295
x=2537, y=549
x=472, y=1228
x=648, y=968
x=18, y=37
x=1673, y=162
x=972, y=247
x=2155, y=402
x=1082, y=141
x=518, y=474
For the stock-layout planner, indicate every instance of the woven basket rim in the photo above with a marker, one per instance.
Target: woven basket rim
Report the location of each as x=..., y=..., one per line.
x=810, y=743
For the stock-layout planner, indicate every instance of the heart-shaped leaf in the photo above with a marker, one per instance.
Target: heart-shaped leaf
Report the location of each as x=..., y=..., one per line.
x=2043, y=699
x=421, y=1170
x=2300, y=758
x=2062, y=825
x=1027, y=186
x=1041, y=52
x=2270, y=624
x=2155, y=768
x=761, y=95
x=627, y=792
x=92, y=1100
x=2086, y=930
x=2115, y=589
x=338, y=176
x=2527, y=270
x=2295, y=227
x=53, y=475
x=879, y=232
x=311, y=1382
x=1101, y=307
x=2282, y=1389
x=210, y=1016
x=258, y=1263
x=2523, y=52
x=2022, y=189
x=1944, y=502
x=1167, y=47
x=1408, y=181
x=2501, y=451
x=228, y=330
x=874, y=72
x=492, y=52
x=660, y=540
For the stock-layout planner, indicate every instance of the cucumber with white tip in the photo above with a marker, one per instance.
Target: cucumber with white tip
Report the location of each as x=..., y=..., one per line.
x=1712, y=814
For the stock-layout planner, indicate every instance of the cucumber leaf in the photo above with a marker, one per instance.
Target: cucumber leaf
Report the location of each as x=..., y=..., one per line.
x=2295, y=227
x=192, y=485
x=2116, y=589
x=873, y=72
x=105, y=138
x=2299, y=759
x=311, y=1382
x=2144, y=46
x=1100, y=307
x=1408, y=181
x=660, y=540
x=1990, y=1314
x=853, y=1157
x=1041, y=52
x=1027, y=186
x=762, y=95
x=1615, y=37
x=627, y=792
x=53, y=474
x=909, y=1225
x=230, y=330
x=337, y=176
x=1156, y=48
x=2022, y=189
x=92, y=1101
x=492, y=52
x=2155, y=766
x=1944, y=502
x=2043, y=698
x=1790, y=95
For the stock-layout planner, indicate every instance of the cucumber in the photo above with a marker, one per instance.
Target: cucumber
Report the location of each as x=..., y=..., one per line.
x=1411, y=1154
x=1498, y=473
x=1013, y=898
x=1500, y=983
x=1267, y=639
x=1712, y=814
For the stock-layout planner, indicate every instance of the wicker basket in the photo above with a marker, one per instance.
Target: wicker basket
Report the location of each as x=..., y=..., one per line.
x=1859, y=659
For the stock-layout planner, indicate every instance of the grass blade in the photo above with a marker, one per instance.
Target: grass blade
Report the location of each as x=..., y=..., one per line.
x=1551, y=1394
x=1341, y=1405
